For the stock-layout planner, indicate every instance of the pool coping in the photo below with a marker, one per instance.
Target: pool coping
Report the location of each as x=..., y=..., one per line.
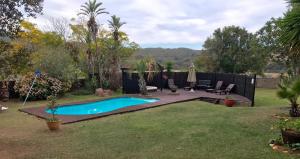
x=68, y=119
x=164, y=99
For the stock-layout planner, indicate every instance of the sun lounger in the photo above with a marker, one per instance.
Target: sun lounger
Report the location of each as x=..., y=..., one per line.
x=218, y=87
x=204, y=84
x=228, y=89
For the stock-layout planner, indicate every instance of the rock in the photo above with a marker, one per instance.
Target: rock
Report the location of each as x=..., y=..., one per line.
x=108, y=92
x=275, y=147
x=285, y=151
x=103, y=92
x=100, y=92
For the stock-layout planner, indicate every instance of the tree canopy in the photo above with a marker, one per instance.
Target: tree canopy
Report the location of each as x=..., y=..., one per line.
x=290, y=25
x=232, y=50
x=12, y=13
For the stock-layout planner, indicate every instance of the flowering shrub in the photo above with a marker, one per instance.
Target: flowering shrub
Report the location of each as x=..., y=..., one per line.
x=43, y=87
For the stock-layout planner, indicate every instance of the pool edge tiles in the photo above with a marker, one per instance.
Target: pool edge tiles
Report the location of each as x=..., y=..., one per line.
x=101, y=106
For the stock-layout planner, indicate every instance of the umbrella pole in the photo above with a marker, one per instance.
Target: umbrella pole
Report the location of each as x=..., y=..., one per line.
x=192, y=87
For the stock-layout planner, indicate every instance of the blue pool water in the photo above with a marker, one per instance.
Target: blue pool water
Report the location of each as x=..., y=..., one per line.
x=101, y=106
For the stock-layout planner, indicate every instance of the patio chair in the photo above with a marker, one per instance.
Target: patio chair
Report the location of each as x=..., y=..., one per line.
x=204, y=84
x=228, y=89
x=172, y=85
x=218, y=87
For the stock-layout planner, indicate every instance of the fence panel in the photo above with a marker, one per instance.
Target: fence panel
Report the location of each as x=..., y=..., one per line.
x=130, y=83
x=245, y=85
x=226, y=78
x=240, y=81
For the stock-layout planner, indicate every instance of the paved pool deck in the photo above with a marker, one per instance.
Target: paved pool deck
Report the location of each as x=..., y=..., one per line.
x=166, y=97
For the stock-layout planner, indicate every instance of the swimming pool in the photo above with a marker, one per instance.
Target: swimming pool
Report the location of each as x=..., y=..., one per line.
x=103, y=106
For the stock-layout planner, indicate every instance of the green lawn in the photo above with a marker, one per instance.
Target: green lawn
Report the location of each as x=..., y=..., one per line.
x=184, y=130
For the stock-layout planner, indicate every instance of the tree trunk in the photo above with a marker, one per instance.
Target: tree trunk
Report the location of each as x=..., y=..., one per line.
x=294, y=112
x=115, y=78
x=115, y=73
x=142, y=85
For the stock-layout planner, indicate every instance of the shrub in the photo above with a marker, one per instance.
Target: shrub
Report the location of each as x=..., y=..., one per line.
x=44, y=87
x=81, y=92
x=169, y=66
x=57, y=63
x=289, y=88
x=289, y=124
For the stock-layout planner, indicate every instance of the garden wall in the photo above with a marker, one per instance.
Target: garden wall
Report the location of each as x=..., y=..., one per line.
x=267, y=82
x=245, y=85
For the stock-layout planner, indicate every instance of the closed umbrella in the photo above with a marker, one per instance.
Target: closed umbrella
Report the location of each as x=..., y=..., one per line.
x=192, y=76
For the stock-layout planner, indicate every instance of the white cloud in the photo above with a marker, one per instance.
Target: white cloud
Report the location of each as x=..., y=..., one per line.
x=175, y=22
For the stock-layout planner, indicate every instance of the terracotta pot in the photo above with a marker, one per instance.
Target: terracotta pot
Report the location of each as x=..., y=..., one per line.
x=229, y=102
x=290, y=136
x=53, y=125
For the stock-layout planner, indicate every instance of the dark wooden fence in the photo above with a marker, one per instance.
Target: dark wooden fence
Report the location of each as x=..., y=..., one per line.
x=245, y=84
x=8, y=88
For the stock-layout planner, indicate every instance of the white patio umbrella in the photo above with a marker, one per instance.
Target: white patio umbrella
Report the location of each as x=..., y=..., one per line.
x=192, y=76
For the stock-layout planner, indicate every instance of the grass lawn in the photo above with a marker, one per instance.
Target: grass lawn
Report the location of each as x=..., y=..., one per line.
x=184, y=130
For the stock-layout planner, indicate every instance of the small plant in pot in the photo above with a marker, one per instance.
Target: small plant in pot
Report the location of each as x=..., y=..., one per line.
x=52, y=122
x=228, y=101
x=290, y=130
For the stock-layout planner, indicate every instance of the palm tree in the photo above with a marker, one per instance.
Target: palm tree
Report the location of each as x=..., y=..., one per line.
x=289, y=88
x=290, y=26
x=148, y=65
x=115, y=24
x=92, y=9
x=141, y=68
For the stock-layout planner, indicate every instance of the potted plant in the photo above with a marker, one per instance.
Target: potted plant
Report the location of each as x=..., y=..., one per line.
x=290, y=130
x=228, y=101
x=52, y=122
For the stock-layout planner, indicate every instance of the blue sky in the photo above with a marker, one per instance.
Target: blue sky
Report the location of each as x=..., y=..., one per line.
x=173, y=23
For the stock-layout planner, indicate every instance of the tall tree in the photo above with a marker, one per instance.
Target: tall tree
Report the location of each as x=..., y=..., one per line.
x=115, y=24
x=234, y=50
x=61, y=26
x=290, y=26
x=12, y=13
x=269, y=37
x=290, y=32
x=92, y=9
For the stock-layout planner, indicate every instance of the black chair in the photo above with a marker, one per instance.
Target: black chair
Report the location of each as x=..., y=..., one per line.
x=204, y=84
x=228, y=89
x=218, y=87
x=172, y=85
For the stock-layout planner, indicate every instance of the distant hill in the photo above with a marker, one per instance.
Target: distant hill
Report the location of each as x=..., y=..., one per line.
x=181, y=57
